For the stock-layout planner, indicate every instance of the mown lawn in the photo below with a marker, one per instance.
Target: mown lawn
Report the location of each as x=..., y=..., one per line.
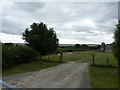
x=100, y=77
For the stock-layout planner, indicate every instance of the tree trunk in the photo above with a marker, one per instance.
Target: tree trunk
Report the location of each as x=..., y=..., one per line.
x=93, y=59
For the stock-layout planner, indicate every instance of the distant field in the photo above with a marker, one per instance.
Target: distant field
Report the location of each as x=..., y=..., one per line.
x=100, y=77
x=86, y=57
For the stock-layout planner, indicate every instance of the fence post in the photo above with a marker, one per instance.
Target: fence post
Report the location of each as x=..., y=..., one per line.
x=61, y=54
x=93, y=59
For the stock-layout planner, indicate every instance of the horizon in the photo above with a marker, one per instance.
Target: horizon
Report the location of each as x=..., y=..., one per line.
x=61, y=44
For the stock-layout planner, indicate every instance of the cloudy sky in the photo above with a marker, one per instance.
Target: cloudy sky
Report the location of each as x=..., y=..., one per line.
x=74, y=22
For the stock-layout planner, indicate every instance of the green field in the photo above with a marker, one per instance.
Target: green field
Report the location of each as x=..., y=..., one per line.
x=100, y=77
x=86, y=57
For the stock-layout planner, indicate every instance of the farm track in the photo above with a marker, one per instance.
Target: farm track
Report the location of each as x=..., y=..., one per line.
x=68, y=75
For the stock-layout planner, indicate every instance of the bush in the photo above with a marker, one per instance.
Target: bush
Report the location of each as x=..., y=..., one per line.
x=14, y=55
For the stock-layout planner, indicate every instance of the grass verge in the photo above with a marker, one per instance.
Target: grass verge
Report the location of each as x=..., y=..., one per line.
x=103, y=77
x=28, y=67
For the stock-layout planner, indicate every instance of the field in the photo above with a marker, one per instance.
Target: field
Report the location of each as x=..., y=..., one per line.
x=86, y=57
x=101, y=76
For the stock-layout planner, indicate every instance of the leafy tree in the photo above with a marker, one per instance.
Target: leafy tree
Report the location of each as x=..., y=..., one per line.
x=77, y=45
x=42, y=39
x=116, y=47
x=116, y=44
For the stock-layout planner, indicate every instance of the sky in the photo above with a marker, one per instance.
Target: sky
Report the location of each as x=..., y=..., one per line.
x=73, y=22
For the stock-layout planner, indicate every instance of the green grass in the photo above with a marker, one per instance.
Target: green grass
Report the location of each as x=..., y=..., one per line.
x=28, y=67
x=101, y=77
x=86, y=57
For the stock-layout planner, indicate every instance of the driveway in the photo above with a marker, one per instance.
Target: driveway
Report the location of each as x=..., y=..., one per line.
x=68, y=75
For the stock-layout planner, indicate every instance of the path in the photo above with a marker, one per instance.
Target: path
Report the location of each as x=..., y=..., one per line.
x=68, y=75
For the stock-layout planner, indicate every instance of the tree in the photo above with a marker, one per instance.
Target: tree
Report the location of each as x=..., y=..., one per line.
x=9, y=44
x=116, y=48
x=77, y=45
x=42, y=39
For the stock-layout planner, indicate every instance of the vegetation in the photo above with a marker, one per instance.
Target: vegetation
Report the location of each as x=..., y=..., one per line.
x=77, y=47
x=41, y=38
x=86, y=57
x=103, y=77
x=116, y=48
x=16, y=55
x=9, y=44
x=116, y=44
x=26, y=67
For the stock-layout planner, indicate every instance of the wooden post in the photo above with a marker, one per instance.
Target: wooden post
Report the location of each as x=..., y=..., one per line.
x=93, y=59
x=61, y=54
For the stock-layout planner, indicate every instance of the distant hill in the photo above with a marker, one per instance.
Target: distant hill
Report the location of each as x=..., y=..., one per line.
x=80, y=44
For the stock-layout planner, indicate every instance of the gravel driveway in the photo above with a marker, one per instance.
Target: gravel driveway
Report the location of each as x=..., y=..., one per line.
x=68, y=75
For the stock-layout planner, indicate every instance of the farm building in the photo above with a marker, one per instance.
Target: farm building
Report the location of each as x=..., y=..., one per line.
x=106, y=47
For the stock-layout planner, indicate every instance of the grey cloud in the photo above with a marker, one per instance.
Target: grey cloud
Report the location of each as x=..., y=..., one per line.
x=58, y=15
x=29, y=6
x=11, y=27
x=81, y=29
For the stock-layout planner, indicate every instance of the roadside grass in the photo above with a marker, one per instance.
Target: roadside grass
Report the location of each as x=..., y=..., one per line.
x=101, y=77
x=29, y=67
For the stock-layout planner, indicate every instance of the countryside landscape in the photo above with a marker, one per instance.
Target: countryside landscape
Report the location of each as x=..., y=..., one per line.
x=60, y=45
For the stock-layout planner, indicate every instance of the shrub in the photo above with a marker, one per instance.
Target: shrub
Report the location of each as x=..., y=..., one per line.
x=14, y=55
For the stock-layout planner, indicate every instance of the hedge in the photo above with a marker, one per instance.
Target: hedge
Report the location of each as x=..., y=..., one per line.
x=15, y=55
